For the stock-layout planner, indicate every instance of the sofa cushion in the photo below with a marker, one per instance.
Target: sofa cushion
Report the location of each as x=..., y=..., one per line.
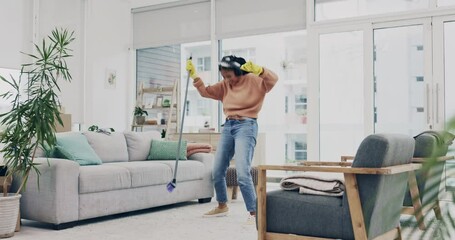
x=51, y=152
x=188, y=170
x=293, y=213
x=138, y=144
x=166, y=150
x=147, y=173
x=105, y=177
x=110, y=148
x=75, y=147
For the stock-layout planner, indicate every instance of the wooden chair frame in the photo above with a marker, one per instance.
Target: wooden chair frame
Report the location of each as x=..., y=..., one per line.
x=352, y=192
x=416, y=208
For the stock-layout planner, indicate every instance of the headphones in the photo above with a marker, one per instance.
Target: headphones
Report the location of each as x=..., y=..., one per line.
x=233, y=63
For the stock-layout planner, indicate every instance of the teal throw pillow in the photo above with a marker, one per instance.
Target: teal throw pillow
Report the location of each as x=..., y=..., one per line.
x=76, y=147
x=166, y=150
x=51, y=152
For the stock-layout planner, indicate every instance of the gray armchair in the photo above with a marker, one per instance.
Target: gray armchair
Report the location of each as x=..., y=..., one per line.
x=430, y=148
x=370, y=207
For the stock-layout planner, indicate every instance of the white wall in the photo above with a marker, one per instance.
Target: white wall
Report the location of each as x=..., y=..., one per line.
x=102, y=43
x=144, y=3
x=108, y=25
x=66, y=14
x=102, y=32
x=16, y=32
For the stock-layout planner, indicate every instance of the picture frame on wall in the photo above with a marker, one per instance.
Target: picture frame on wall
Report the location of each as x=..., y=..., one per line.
x=110, y=79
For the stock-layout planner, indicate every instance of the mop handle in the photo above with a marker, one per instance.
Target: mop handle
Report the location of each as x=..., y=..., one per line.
x=181, y=127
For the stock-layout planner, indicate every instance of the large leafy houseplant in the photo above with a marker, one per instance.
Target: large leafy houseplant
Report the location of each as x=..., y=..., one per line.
x=35, y=106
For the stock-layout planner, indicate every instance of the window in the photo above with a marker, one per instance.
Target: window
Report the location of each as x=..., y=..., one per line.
x=5, y=104
x=336, y=9
x=282, y=119
x=445, y=2
x=300, y=105
x=200, y=110
x=449, y=71
x=203, y=64
x=162, y=66
x=400, y=100
x=341, y=96
x=296, y=148
x=300, y=151
x=248, y=53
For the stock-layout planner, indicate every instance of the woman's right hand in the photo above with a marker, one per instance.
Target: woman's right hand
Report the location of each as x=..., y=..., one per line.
x=191, y=70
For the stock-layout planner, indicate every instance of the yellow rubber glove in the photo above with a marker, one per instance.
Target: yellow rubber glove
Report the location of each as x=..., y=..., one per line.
x=190, y=68
x=252, y=68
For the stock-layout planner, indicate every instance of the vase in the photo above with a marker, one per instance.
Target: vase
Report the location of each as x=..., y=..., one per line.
x=140, y=120
x=9, y=211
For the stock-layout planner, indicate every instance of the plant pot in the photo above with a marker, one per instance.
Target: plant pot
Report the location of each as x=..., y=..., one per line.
x=140, y=120
x=9, y=211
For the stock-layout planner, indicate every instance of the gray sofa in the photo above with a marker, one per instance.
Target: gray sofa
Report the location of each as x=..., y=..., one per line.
x=124, y=182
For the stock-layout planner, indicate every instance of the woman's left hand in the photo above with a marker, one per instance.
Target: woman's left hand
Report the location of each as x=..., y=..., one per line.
x=252, y=68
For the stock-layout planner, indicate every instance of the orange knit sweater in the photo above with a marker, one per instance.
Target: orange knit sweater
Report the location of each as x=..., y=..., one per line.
x=245, y=98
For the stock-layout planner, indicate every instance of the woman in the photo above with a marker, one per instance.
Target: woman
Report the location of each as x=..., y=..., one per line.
x=242, y=93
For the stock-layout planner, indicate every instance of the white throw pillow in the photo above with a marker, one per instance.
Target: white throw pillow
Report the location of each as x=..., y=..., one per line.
x=110, y=148
x=139, y=144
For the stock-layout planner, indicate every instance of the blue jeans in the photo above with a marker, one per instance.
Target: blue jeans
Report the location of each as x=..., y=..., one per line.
x=238, y=137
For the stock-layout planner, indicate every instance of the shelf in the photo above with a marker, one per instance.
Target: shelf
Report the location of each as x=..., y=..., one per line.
x=161, y=90
x=159, y=108
x=165, y=94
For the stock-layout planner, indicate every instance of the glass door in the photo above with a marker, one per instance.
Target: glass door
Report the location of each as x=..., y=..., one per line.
x=341, y=94
x=401, y=90
x=444, y=55
x=449, y=71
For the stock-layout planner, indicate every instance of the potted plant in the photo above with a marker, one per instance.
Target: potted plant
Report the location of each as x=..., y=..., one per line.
x=139, y=115
x=34, y=113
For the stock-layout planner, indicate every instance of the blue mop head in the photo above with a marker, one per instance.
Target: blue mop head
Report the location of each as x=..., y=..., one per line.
x=171, y=185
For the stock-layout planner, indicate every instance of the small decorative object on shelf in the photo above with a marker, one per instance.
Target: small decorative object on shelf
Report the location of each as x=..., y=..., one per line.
x=95, y=128
x=163, y=133
x=159, y=101
x=166, y=103
x=139, y=115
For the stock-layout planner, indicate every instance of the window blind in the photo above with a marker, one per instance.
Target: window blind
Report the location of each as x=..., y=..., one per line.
x=236, y=18
x=171, y=25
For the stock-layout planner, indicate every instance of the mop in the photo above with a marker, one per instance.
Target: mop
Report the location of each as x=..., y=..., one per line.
x=172, y=185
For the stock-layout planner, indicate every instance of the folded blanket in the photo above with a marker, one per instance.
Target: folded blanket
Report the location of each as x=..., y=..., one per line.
x=200, y=150
x=314, y=185
x=193, y=148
